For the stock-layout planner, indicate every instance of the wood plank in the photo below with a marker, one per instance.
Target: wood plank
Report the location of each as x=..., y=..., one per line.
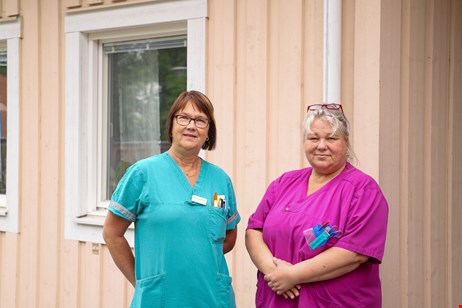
x=93, y=2
x=69, y=272
x=28, y=255
x=286, y=107
x=221, y=76
x=112, y=281
x=348, y=60
x=90, y=275
x=72, y=3
x=50, y=136
x=439, y=51
x=390, y=129
x=313, y=52
x=366, y=86
x=8, y=268
x=251, y=124
x=11, y=8
x=455, y=167
x=414, y=119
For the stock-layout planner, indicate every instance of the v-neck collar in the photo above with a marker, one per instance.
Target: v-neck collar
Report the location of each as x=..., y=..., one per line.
x=181, y=177
x=326, y=186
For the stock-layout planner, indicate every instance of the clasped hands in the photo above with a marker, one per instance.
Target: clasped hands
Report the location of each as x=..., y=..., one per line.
x=282, y=279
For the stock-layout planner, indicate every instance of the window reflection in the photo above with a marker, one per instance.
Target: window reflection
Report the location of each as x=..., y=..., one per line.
x=144, y=78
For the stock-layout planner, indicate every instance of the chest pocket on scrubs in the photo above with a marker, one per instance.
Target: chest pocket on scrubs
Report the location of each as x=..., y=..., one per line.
x=293, y=208
x=217, y=224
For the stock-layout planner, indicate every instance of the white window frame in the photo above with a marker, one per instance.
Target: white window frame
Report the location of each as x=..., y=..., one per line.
x=10, y=31
x=84, y=31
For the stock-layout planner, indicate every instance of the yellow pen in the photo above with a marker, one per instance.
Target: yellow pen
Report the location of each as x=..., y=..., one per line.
x=215, y=200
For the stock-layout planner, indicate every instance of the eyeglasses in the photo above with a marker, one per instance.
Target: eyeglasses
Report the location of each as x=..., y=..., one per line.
x=335, y=107
x=184, y=120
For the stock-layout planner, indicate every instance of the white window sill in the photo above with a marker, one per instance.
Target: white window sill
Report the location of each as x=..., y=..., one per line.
x=96, y=218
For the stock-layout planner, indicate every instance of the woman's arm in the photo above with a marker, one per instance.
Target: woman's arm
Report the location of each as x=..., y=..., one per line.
x=230, y=240
x=113, y=234
x=263, y=259
x=331, y=263
x=259, y=252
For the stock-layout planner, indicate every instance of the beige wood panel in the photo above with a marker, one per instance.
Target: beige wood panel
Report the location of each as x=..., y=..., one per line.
x=366, y=85
x=437, y=145
x=285, y=103
x=90, y=288
x=312, y=52
x=455, y=155
x=68, y=273
x=72, y=3
x=29, y=241
x=348, y=60
x=8, y=269
x=413, y=123
x=390, y=129
x=113, y=292
x=10, y=7
x=50, y=129
x=221, y=80
x=251, y=124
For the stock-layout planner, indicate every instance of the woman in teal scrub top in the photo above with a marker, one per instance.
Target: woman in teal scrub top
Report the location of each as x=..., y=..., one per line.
x=185, y=216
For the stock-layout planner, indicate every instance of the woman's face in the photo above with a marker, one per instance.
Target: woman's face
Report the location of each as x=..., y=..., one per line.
x=189, y=137
x=325, y=152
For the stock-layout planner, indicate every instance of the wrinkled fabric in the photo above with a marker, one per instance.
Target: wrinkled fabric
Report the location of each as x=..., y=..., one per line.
x=353, y=203
x=179, y=259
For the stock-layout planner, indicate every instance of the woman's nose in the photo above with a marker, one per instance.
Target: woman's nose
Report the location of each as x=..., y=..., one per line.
x=322, y=144
x=191, y=124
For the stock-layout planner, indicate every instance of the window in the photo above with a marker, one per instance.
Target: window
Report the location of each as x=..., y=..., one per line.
x=143, y=79
x=9, y=124
x=124, y=67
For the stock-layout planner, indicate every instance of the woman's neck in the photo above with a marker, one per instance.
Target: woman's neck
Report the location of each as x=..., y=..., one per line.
x=322, y=178
x=183, y=159
x=318, y=180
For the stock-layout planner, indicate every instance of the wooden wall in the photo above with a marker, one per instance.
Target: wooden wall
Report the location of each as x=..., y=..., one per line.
x=401, y=89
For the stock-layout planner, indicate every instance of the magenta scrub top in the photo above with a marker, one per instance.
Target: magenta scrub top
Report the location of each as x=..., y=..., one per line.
x=353, y=203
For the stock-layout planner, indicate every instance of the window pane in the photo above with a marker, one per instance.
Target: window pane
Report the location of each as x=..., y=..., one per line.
x=3, y=114
x=142, y=84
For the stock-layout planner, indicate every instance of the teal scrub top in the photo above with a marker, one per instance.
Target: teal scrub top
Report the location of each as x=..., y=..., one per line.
x=179, y=234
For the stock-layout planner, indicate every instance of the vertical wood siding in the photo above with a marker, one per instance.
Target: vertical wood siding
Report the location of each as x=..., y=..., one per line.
x=401, y=77
x=9, y=8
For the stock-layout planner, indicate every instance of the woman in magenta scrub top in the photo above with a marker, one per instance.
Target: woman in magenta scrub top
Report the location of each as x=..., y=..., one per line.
x=318, y=235
x=185, y=216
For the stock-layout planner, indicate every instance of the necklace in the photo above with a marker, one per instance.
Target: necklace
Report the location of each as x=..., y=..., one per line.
x=193, y=167
x=192, y=171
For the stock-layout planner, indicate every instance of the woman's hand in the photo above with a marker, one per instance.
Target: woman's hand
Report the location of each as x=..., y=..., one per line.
x=282, y=280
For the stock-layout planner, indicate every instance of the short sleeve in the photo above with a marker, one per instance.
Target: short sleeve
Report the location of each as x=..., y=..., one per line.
x=233, y=217
x=366, y=229
x=126, y=199
x=257, y=219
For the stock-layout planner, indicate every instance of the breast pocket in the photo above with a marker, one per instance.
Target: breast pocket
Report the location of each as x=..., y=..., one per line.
x=217, y=224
